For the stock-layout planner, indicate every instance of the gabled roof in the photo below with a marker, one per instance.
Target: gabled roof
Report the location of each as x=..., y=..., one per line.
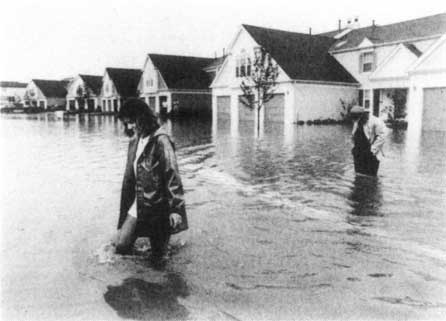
x=92, y=82
x=51, y=88
x=12, y=84
x=301, y=56
x=125, y=80
x=396, y=32
x=183, y=72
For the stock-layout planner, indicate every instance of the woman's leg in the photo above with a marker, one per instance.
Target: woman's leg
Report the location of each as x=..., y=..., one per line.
x=127, y=235
x=159, y=243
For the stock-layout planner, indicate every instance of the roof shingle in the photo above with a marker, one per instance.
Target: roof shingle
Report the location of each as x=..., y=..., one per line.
x=51, y=88
x=12, y=84
x=183, y=72
x=301, y=56
x=125, y=80
x=401, y=31
x=93, y=82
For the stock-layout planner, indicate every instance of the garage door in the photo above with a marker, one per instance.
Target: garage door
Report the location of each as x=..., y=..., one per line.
x=224, y=107
x=275, y=109
x=434, y=108
x=244, y=113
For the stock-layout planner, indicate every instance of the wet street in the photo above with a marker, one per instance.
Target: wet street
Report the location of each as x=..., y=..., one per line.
x=280, y=227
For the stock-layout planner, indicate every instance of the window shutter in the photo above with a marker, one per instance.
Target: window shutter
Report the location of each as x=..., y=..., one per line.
x=361, y=57
x=360, y=97
x=236, y=71
x=374, y=61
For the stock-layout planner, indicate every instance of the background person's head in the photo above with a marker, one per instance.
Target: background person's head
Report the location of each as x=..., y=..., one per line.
x=137, y=116
x=359, y=113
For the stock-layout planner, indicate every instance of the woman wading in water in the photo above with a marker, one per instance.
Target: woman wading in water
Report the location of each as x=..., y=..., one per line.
x=152, y=196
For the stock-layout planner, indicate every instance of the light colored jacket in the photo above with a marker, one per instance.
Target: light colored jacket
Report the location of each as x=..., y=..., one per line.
x=375, y=130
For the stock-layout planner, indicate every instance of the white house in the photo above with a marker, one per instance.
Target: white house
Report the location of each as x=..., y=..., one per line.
x=83, y=93
x=12, y=93
x=46, y=93
x=382, y=59
x=118, y=84
x=177, y=84
x=311, y=83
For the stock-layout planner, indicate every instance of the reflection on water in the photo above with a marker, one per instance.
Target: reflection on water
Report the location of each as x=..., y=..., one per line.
x=280, y=212
x=137, y=299
x=366, y=196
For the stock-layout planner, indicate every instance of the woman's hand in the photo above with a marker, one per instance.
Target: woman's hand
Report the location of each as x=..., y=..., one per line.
x=175, y=220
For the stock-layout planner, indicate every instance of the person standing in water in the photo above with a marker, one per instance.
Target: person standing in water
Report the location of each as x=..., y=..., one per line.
x=368, y=138
x=152, y=196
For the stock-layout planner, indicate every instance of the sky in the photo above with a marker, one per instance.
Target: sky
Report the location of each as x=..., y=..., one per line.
x=49, y=39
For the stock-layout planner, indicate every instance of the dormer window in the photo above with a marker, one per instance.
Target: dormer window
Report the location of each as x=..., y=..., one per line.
x=367, y=61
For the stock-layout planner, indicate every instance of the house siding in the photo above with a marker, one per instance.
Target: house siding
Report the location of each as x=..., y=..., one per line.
x=109, y=95
x=314, y=102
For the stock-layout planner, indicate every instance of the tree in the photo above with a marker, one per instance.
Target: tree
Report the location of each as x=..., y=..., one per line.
x=259, y=81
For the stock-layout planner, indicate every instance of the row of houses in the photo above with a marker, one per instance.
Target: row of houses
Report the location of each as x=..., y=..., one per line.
x=395, y=70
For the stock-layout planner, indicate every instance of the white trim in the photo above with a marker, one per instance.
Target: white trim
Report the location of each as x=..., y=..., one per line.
x=428, y=71
x=387, y=43
x=389, y=78
x=232, y=43
x=342, y=33
x=325, y=83
x=426, y=55
x=386, y=60
x=217, y=75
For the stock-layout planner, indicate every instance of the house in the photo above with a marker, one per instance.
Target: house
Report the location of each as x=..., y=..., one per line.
x=390, y=62
x=310, y=82
x=177, y=84
x=84, y=93
x=12, y=93
x=46, y=93
x=118, y=84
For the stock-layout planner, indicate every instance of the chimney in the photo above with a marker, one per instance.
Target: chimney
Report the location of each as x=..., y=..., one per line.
x=373, y=22
x=223, y=52
x=349, y=23
x=310, y=31
x=339, y=25
x=356, y=22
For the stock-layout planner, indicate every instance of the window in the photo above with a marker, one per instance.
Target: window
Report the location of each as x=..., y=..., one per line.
x=243, y=65
x=367, y=61
x=366, y=99
x=106, y=88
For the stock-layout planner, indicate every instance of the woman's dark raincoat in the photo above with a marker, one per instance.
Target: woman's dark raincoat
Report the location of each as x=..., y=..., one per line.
x=157, y=186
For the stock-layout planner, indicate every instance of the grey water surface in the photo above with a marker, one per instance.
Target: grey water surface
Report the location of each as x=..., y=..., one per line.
x=280, y=227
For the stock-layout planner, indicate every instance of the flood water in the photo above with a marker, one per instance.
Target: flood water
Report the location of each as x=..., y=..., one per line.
x=280, y=227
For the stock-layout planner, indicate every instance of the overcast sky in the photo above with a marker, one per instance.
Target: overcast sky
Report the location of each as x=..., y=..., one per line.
x=56, y=39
